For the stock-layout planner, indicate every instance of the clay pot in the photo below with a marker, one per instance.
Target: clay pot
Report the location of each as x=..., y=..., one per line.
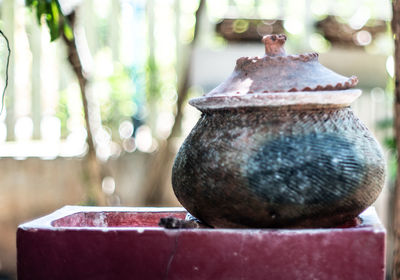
x=277, y=145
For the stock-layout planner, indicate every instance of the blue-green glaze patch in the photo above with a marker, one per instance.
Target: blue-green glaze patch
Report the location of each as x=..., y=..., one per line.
x=305, y=169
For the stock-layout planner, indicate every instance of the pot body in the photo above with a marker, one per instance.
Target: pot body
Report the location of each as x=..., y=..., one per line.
x=275, y=167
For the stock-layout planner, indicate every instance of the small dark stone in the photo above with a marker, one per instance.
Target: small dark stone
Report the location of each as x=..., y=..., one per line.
x=176, y=223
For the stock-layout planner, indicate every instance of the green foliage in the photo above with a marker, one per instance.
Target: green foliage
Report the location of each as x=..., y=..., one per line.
x=119, y=105
x=51, y=11
x=63, y=112
x=390, y=143
x=392, y=165
x=152, y=80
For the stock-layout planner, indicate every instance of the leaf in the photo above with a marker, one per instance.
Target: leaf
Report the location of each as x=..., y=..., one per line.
x=55, y=11
x=385, y=123
x=68, y=31
x=51, y=11
x=390, y=142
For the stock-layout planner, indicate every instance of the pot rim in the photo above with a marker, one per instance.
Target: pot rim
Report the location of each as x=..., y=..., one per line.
x=333, y=98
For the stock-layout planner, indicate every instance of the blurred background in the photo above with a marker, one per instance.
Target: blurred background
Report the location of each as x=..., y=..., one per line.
x=143, y=60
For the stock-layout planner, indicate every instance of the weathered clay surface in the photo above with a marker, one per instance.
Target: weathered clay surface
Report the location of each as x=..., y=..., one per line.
x=287, y=167
x=278, y=72
x=337, y=98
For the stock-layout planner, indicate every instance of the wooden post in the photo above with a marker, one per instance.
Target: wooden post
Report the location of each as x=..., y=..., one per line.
x=35, y=40
x=151, y=61
x=178, y=47
x=114, y=38
x=396, y=213
x=85, y=9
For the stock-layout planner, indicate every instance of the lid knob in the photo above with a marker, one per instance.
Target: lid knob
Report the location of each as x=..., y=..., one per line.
x=274, y=44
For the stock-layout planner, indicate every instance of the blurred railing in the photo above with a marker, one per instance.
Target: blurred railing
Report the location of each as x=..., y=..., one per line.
x=132, y=51
x=43, y=115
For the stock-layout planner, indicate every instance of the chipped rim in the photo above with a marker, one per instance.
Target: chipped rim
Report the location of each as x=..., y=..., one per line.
x=333, y=98
x=248, y=60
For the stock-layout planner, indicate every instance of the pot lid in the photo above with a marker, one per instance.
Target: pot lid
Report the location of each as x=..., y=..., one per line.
x=278, y=79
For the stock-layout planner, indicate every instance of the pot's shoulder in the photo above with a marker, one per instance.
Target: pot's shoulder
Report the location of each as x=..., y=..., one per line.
x=310, y=99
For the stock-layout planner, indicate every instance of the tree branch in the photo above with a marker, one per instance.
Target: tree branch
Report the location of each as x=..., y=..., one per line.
x=93, y=168
x=7, y=66
x=160, y=164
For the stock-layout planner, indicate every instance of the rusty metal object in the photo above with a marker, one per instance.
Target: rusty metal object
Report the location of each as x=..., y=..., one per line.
x=278, y=159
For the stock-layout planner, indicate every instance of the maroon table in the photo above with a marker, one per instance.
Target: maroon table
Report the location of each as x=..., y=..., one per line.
x=126, y=243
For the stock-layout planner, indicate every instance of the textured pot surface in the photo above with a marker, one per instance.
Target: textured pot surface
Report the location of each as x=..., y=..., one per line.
x=278, y=168
x=277, y=145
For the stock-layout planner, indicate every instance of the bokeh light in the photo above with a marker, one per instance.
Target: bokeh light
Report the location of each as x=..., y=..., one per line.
x=293, y=26
x=23, y=129
x=144, y=139
x=318, y=43
x=50, y=128
x=125, y=130
x=360, y=18
x=129, y=145
x=108, y=185
x=390, y=66
x=362, y=38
